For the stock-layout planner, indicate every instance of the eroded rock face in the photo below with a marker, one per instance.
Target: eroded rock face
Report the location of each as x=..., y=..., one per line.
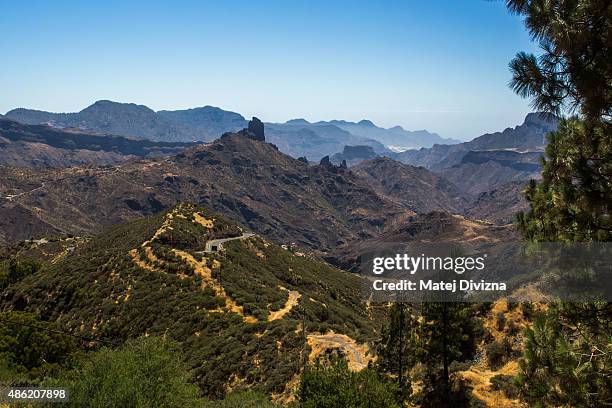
x=256, y=127
x=359, y=152
x=353, y=155
x=325, y=161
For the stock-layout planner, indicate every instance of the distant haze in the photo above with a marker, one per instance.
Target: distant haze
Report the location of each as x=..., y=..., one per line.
x=439, y=65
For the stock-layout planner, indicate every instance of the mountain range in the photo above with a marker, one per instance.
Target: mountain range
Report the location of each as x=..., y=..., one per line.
x=396, y=138
x=249, y=181
x=46, y=146
x=124, y=245
x=528, y=136
x=490, y=161
x=488, y=172
x=246, y=180
x=296, y=137
x=484, y=164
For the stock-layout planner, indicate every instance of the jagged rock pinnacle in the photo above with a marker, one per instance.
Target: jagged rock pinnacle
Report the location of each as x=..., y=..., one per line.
x=256, y=127
x=325, y=161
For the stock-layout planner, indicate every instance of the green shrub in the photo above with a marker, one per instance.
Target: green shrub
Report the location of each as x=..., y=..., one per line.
x=336, y=386
x=505, y=383
x=527, y=310
x=498, y=353
x=146, y=372
x=243, y=399
x=500, y=321
x=31, y=348
x=13, y=270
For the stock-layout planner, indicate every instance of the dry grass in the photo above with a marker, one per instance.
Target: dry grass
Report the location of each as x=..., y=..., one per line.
x=205, y=273
x=479, y=375
x=198, y=219
x=357, y=355
x=480, y=379
x=292, y=301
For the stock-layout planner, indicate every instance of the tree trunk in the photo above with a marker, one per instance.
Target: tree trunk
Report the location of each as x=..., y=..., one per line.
x=445, y=352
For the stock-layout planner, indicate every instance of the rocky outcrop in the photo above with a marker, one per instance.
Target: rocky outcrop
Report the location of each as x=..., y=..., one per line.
x=353, y=155
x=325, y=162
x=256, y=128
x=254, y=131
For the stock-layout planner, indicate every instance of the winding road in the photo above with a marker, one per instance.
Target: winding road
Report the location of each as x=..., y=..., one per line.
x=218, y=243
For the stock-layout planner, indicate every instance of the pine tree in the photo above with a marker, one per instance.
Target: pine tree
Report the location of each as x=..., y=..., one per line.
x=572, y=75
x=396, y=350
x=572, y=202
x=447, y=333
x=567, y=360
x=573, y=72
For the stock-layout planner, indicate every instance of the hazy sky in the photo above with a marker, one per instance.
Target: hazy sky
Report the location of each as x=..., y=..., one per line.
x=436, y=65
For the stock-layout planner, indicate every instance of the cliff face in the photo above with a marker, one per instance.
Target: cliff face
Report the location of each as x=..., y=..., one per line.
x=354, y=155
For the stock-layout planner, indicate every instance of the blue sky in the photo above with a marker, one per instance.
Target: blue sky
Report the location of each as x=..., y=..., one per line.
x=436, y=65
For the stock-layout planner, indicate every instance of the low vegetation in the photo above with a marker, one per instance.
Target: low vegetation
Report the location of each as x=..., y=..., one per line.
x=100, y=292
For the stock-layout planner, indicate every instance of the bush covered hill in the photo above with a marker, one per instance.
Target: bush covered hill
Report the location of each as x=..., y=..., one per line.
x=248, y=315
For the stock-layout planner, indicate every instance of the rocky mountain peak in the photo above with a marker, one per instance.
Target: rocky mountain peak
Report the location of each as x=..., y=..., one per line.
x=542, y=119
x=116, y=107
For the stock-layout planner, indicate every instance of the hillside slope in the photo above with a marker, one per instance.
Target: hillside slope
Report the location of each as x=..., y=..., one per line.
x=42, y=146
x=485, y=170
x=528, y=136
x=248, y=181
x=489, y=161
x=415, y=187
x=437, y=227
x=246, y=315
x=126, y=119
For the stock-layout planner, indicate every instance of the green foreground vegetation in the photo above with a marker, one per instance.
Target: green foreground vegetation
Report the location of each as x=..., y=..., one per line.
x=568, y=352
